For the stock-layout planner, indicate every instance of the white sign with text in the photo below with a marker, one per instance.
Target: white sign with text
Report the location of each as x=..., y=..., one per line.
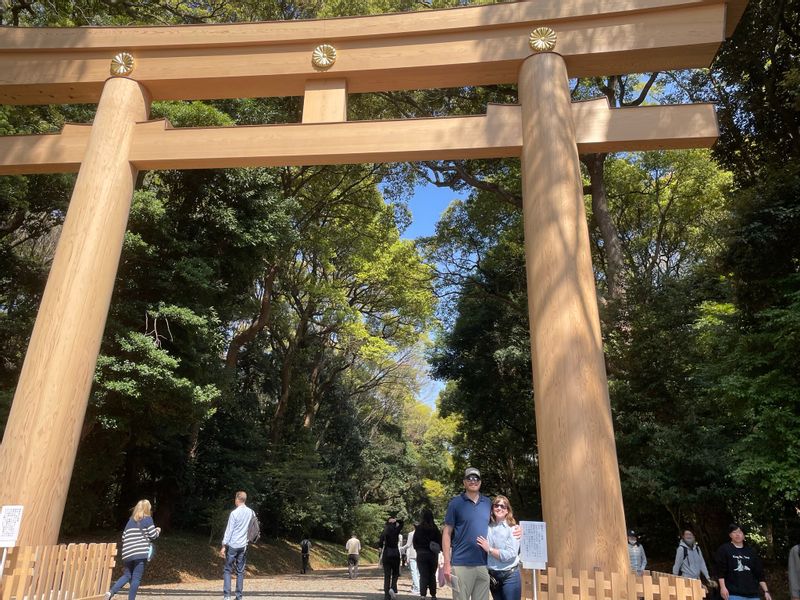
x=10, y=520
x=533, y=545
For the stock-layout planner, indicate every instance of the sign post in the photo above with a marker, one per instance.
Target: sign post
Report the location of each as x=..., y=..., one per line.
x=10, y=521
x=533, y=548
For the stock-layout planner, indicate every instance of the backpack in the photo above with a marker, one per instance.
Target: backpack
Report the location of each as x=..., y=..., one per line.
x=253, y=529
x=304, y=546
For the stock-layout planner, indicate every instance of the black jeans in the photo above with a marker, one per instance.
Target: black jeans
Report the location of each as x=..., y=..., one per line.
x=427, y=562
x=391, y=571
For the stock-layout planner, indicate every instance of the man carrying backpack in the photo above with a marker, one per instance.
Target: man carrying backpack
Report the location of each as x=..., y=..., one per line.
x=305, y=550
x=689, y=561
x=234, y=544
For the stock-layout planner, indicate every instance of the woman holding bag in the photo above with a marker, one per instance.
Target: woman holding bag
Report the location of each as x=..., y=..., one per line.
x=428, y=544
x=137, y=538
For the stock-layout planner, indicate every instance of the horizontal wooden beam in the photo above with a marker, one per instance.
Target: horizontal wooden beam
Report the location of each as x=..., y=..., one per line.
x=431, y=49
x=494, y=135
x=468, y=18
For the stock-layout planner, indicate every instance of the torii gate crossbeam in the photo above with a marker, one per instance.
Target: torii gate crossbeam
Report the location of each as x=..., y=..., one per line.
x=324, y=61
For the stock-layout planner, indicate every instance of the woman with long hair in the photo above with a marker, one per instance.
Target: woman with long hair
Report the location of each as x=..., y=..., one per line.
x=139, y=532
x=390, y=556
x=428, y=544
x=502, y=549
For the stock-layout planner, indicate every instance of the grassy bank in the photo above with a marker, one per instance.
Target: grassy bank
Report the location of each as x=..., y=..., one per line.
x=186, y=557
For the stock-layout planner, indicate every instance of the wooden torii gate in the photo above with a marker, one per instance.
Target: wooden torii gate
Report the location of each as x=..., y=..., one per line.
x=536, y=44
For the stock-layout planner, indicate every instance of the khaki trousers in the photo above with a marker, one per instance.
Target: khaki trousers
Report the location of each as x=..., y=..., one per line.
x=473, y=583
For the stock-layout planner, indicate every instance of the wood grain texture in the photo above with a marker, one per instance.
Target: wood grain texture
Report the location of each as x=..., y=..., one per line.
x=494, y=135
x=581, y=495
x=430, y=49
x=43, y=428
x=325, y=101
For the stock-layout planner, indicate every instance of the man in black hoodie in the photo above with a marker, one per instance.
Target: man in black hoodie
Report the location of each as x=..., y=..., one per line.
x=739, y=569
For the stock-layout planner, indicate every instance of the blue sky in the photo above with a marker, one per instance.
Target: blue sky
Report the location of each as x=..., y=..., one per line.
x=426, y=206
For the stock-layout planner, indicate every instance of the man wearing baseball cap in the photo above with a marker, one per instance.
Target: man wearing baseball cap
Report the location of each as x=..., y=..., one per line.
x=636, y=553
x=467, y=518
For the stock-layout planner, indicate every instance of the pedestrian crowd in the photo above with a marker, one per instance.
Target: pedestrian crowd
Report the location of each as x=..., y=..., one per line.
x=476, y=552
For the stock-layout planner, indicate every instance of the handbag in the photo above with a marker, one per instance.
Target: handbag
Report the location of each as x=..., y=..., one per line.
x=494, y=585
x=498, y=578
x=434, y=547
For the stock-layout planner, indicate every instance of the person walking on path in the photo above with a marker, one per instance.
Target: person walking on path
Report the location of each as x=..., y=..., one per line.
x=467, y=519
x=353, y=548
x=502, y=549
x=234, y=545
x=305, y=552
x=428, y=545
x=139, y=533
x=739, y=568
x=636, y=553
x=390, y=557
x=689, y=561
x=794, y=572
x=411, y=556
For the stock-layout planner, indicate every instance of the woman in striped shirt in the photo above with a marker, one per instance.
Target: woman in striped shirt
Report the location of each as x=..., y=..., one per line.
x=139, y=532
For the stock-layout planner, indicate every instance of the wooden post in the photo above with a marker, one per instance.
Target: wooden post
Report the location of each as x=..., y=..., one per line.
x=581, y=495
x=325, y=101
x=44, y=425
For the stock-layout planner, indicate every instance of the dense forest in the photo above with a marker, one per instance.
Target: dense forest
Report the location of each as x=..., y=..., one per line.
x=271, y=329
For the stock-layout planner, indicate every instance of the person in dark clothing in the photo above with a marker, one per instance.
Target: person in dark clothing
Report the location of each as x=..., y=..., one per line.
x=305, y=551
x=390, y=556
x=426, y=534
x=739, y=569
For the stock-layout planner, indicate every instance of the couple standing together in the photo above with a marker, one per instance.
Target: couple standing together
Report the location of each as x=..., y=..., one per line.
x=480, y=541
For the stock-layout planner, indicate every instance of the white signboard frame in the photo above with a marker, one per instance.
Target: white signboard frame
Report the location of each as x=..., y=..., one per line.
x=10, y=521
x=533, y=545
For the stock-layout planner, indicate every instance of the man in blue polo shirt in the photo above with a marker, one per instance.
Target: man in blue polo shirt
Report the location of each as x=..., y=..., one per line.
x=467, y=518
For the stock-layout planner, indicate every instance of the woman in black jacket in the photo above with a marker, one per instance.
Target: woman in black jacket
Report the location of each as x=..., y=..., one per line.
x=390, y=556
x=428, y=544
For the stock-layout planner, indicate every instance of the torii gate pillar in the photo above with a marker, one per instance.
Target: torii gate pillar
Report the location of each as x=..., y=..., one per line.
x=44, y=425
x=580, y=484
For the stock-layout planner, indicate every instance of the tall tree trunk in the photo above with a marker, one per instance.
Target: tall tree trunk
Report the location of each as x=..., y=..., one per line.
x=612, y=247
x=242, y=338
x=279, y=418
x=248, y=334
x=314, y=394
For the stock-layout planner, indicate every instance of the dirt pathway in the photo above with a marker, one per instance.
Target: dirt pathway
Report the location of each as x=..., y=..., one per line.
x=328, y=583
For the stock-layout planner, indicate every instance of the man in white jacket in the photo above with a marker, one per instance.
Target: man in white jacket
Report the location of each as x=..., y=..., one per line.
x=411, y=556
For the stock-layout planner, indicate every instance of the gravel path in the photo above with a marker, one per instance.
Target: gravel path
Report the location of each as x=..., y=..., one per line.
x=328, y=583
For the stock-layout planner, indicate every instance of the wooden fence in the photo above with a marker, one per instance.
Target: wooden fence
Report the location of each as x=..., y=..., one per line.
x=58, y=572
x=562, y=584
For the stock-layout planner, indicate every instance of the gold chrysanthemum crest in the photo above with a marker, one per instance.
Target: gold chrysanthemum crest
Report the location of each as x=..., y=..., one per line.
x=323, y=56
x=542, y=39
x=122, y=64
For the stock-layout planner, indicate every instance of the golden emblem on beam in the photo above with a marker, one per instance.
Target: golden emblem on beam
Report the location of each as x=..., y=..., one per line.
x=323, y=56
x=542, y=39
x=122, y=64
